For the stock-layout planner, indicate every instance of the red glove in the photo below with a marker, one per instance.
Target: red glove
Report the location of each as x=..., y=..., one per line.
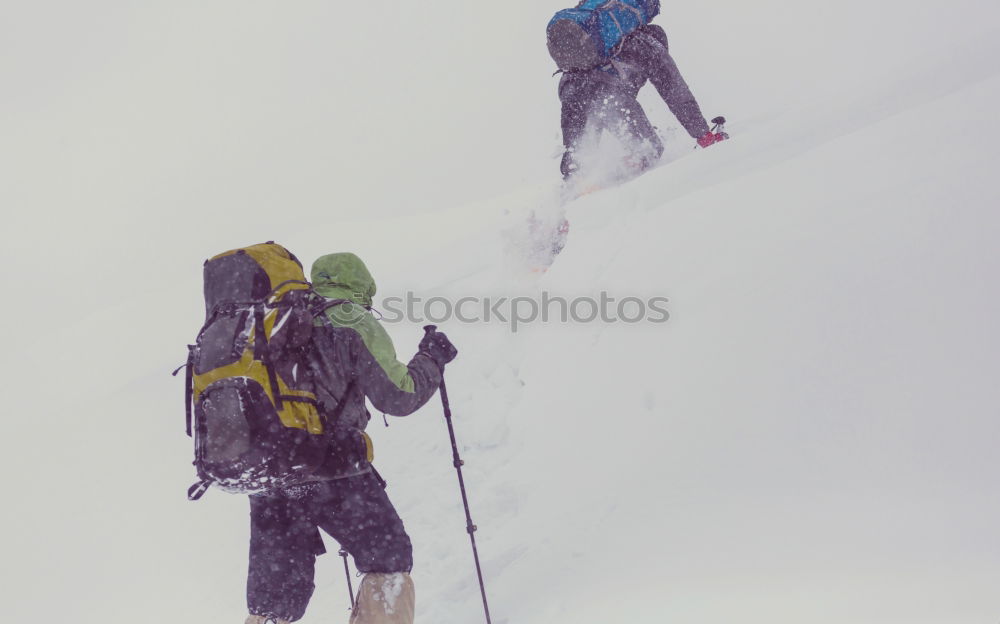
x=711, y=138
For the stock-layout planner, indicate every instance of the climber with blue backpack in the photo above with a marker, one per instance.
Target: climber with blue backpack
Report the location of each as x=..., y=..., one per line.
x=606, y=51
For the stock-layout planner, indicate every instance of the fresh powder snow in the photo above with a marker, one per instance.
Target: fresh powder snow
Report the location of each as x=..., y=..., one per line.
x=809, y=435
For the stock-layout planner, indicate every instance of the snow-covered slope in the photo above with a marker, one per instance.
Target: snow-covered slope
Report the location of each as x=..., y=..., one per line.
x=810, y=437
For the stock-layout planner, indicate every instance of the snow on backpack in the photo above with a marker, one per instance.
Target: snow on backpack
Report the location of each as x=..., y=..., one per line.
x=588, y=35
x=250, y=406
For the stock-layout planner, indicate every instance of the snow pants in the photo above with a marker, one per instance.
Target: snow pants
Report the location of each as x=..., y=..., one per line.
x=598, y=103
x=285, y=540
x=606, y=97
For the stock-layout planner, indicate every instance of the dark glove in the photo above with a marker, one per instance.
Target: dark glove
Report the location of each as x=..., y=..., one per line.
x=437, y=345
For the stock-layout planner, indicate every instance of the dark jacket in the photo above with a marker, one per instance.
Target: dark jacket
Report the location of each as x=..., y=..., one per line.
x=338, y=357
x=351, y=358
x=644, y=56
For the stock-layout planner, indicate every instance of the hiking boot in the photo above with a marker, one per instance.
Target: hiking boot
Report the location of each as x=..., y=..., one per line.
x=385, y=599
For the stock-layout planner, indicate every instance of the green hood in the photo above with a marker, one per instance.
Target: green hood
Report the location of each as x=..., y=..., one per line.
x=343, y=276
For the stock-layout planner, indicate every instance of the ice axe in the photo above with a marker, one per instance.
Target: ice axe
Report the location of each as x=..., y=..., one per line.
x=458, y=463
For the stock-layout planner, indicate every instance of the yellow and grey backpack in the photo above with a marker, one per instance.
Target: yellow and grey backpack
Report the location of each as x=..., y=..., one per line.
x=250, y=405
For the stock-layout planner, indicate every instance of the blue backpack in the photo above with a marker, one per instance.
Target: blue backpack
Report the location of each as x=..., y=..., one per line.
x=589, y=35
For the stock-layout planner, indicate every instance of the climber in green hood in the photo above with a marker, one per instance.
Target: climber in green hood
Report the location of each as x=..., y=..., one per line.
x=350, y=361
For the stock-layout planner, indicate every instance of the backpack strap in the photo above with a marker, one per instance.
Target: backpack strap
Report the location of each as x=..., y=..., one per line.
x=354, y=376
x=325, y=305
x=262, y=353
x=343, y=400
x=189, y=389
x=188, y=386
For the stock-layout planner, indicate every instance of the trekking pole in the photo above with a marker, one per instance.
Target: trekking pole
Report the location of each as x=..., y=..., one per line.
x=347, y=572
x=470, y=527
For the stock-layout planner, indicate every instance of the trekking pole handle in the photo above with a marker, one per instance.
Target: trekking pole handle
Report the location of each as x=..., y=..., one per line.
x=428, y=330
